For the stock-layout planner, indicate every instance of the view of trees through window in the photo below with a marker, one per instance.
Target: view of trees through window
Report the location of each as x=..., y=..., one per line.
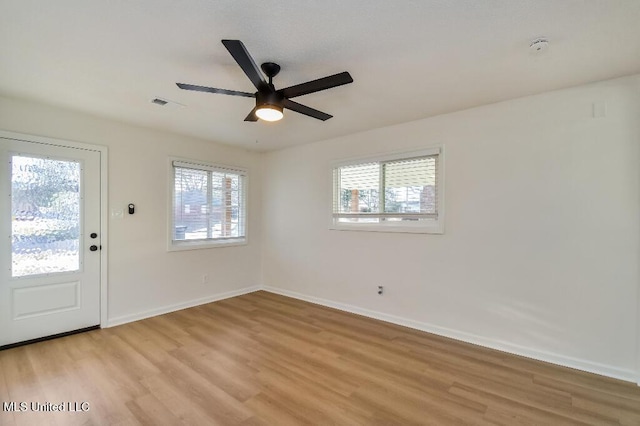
x=45, y=215
x=207, y=204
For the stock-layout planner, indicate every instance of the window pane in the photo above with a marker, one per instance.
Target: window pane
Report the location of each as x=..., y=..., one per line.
x=410, y=186
x=358, y=188
x=190, y=204
x=398, y=193
x=227, y=206
x=45, y=216
x=213, y=201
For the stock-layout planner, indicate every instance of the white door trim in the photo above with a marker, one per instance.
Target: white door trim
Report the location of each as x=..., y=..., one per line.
x=104, y=235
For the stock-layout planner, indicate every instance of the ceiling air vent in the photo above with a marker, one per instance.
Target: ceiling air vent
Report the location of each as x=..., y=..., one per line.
x=166, y=103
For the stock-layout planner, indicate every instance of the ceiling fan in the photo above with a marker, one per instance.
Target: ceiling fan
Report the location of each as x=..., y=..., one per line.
x=269, y=101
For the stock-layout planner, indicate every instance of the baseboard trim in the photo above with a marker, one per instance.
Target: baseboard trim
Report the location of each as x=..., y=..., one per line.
x=565, y=361
x=123, y=319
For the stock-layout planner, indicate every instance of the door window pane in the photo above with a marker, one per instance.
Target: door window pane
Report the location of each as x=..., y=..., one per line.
x=45, y=216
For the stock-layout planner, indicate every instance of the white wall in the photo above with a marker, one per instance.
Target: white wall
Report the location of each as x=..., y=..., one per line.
x=541, y=244
x=143, y=277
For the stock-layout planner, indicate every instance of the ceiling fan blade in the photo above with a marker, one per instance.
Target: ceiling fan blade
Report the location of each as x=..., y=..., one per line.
x=214, y=90
x=317, y=85
x=252, y=115
x=242, y=57
x=303, y=109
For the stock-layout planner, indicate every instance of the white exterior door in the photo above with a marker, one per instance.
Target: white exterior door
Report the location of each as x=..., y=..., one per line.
x=50, y=240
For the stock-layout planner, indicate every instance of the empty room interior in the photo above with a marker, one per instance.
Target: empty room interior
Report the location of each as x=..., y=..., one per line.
x=300, y=212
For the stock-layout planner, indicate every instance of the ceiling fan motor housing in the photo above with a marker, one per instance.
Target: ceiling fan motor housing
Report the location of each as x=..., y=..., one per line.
x=269, y=98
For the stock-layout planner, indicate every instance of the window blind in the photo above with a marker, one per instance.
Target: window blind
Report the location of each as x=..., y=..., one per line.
x=404, y=189
x=413, y=184
x=208, y=167
x=208, y=202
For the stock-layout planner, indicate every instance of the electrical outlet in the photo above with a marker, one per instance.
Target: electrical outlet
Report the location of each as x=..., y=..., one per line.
x=205, y=278
x=380, y=288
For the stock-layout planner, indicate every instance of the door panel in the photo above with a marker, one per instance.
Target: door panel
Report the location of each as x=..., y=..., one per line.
x=50, y=281
x=45, y=299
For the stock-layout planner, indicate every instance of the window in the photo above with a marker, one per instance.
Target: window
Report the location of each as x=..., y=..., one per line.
x=395, y=193
x=209, y=206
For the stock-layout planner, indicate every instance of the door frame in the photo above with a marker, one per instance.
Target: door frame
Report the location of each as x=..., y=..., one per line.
x=104, y=235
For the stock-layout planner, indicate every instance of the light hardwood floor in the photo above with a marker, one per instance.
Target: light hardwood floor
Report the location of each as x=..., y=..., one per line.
x=264, y=359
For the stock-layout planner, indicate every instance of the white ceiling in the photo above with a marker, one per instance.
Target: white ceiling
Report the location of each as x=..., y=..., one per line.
x=408, y=59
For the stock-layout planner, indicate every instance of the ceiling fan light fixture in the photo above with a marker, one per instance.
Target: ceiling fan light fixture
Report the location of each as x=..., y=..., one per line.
x=269, y=112
x=269, y=101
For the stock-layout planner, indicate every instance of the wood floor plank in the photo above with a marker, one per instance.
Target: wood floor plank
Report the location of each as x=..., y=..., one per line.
x=410, y=408
x=178, y=402
x=550, y=412
x=459, y=360
x=106, y=395
x=624, y=415
x=323, y=371
x=218, y=404
x=320, y=389
x=232, y=377
x=61, y=382
x=6, y=418
x=308, y=400
x=146, y=345
x=24, y=386
x=275, y=410
x=116, y=366
x=264, y=359
x=149, y=411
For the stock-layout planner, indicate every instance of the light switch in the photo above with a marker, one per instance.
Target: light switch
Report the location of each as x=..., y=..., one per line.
x=117, y=213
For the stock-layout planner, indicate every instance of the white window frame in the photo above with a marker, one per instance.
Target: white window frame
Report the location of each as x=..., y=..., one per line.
x=179, y=245
x=435, y=226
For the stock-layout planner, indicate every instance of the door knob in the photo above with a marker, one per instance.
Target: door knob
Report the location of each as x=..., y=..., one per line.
x=93, y=248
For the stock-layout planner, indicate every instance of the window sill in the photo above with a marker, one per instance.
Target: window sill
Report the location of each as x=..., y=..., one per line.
x=196, y=245
x=367, y=227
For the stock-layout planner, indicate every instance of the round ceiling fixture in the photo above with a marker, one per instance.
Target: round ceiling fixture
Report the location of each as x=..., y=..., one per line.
x=269, y=112
x=539, y=44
